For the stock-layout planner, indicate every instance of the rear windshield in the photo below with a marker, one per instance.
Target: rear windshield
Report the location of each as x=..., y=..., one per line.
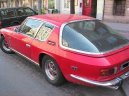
x=91, y=36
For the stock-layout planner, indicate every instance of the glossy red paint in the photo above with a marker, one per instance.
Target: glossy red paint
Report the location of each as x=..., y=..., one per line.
x=88, y=66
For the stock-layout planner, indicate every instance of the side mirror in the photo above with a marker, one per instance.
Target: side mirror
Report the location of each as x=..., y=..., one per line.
x=17, y=29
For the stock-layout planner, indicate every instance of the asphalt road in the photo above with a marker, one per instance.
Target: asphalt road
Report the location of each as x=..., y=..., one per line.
x=19, y=77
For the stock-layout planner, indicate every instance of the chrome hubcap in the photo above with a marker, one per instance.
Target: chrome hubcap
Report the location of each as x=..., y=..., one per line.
x=5, y=46
x=51, y=69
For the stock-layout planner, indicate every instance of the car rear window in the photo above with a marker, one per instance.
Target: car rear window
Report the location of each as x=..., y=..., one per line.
x=91, y=36
x=29, y=11
x=7, y=13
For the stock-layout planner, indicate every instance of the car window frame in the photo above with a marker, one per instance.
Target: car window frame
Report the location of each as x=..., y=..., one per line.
x=24, y=22
x=49, y=34
x=71, y=49
x=79, y=51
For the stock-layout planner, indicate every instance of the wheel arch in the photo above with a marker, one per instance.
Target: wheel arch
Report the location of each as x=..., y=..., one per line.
x=41, y=56
x=1, y=35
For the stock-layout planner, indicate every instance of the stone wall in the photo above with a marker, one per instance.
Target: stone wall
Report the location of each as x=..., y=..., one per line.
x=108, y=13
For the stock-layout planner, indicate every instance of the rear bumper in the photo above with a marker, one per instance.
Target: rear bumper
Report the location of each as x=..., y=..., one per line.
x=114, y=84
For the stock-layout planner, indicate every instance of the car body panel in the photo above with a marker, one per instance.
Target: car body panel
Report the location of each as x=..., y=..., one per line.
x=83, y=65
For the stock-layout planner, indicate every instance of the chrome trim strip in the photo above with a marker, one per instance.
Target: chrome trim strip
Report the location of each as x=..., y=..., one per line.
x=25, y=56
x=75, y=50
x=44, y=20
x=126, y=75
x=114, y=84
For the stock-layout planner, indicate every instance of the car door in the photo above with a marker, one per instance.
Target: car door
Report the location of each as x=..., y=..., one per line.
x=21, y=40
x=40, y=42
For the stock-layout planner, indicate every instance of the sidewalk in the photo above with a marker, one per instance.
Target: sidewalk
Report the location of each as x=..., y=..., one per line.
x=119, y=26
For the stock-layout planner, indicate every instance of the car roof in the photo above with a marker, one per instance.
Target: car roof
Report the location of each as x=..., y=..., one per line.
x=59, y=19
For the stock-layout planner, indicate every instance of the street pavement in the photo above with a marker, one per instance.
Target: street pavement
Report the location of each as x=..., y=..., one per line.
x=19, y=77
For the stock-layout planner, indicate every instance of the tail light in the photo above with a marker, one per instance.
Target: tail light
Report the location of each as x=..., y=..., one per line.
x=108, y=72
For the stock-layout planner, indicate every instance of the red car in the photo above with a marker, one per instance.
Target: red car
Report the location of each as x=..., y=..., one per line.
x=75, y=48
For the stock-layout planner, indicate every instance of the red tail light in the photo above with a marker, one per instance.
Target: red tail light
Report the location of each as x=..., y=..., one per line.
x=108, y=72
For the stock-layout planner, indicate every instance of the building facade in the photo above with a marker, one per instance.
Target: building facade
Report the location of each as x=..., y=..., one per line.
x=3, y=3
x=108, y=10
x=92, y=8
x=116, y=11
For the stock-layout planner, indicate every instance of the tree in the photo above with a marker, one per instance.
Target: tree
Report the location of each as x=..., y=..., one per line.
x=72, y=7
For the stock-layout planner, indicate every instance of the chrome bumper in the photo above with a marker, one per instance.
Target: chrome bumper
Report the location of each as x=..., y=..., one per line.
x=114, y=84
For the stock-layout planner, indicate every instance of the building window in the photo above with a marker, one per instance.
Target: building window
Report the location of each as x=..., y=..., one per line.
x=67, y=4
x=51, y=4
x=119, y=7
x=87, y=3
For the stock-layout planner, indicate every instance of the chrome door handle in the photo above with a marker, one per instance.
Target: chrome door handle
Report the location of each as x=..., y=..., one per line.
x=28, y=45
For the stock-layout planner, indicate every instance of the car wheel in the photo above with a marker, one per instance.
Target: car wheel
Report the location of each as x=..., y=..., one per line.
x=4, y=46
x=52, y=71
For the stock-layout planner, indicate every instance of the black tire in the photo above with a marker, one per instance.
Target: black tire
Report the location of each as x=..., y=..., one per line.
x=56, y=80
x=4, y=46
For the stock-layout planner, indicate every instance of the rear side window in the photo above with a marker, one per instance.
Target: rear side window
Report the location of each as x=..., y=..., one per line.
x=44, y=32
x=28, y=11
x=7, y=13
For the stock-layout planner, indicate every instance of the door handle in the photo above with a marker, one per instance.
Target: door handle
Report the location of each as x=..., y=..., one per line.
x=28, y=45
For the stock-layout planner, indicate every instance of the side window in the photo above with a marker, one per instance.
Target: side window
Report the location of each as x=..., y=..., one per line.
x=7, y=13
x=30, y=27
x=20, y=12
x=29, y=11
x=44, y=32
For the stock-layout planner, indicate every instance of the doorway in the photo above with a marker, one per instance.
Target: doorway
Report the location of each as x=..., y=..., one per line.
x=89, y=8
x=51, y=4
x=94, y=8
